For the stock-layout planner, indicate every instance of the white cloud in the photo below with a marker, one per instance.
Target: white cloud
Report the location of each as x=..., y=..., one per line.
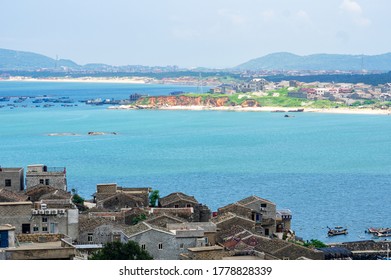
x=268, y=15
x=351, y=6
x=302, y=16
x=234, y=17
x=355, y=11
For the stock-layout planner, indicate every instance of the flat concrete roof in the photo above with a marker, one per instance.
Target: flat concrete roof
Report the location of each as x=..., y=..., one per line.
x=15, y=203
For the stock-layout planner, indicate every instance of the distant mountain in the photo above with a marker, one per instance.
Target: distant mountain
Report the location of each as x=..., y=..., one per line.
x=19, y=60
x=289, y=61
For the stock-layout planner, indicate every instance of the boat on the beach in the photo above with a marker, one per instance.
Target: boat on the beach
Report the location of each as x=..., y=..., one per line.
x=337, y=231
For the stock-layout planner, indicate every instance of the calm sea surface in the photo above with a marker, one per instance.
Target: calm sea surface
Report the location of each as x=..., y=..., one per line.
x=328, y=169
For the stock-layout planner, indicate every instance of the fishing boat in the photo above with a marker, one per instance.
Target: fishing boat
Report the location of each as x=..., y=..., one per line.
x=379, y=232
x=337, y=231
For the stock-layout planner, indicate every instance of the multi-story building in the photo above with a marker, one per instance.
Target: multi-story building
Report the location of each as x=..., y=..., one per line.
x=12, y=179
x=40, y=174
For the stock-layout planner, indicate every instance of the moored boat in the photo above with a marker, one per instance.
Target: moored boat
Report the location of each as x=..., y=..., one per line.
x=337, y=231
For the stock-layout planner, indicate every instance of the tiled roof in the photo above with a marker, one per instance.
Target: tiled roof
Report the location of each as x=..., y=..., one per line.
x=10, y=196
x=41, y=191
x=88, y=223
x=252, y=199
x=141, y=227
x=155, y=220
x=174, y=211
x=227, y=216
x=178, y=196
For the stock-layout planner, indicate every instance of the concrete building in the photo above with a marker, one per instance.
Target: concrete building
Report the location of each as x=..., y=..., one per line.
x=40, y=174
x=12, y=178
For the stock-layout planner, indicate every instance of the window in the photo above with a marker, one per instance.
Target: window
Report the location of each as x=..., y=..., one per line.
x=90, y=237
x=47, y=182
x=188, y=205
x=44, y=219
x=181, y=246
x=176, y=206
x=41, y=181
x=143, y=246
x=263, y=205
x=160, y=246
x=35, y=228
x=45, y=228
x=8, y=182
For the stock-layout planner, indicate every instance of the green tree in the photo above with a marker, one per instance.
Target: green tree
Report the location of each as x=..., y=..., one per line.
x=77, y=199
x=121, y=251
x=138, y=219
x=153, y=198
x=314, y=243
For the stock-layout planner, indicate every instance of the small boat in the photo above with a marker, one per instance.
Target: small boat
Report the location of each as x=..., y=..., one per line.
x=337, y=231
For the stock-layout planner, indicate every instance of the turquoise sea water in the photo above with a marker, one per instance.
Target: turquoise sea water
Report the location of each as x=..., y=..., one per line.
x=328, y=169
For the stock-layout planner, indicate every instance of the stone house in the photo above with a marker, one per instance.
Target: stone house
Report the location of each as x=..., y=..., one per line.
x=263, y=212
x=201, y=213
x=209, y=228
x=182, y=213
x=49, y=216
x=161, y=243
x=97, y=229
x=12, y=179
x=243, y=241
x=17, y=214
x=164, y=220
x=40, y=174
x=115, y=197
x=228, y=221
x=119, y=201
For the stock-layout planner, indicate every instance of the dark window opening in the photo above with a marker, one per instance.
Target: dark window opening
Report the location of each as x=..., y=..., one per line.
x=8, y=182
x=25, y=228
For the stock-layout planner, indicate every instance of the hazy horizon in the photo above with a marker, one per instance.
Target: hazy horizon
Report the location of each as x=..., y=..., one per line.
x=215, y=34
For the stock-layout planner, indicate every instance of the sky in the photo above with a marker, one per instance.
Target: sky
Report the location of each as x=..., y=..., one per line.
x=193, y=33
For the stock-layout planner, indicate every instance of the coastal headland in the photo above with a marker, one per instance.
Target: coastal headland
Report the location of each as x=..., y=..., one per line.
x=224, y=103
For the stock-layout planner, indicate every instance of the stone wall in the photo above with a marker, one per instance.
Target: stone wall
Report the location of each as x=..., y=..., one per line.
x=39, y=238
x=15, y=214
x=216, y=254
x=56, y=179
x=106, y=188
x=172, y=247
